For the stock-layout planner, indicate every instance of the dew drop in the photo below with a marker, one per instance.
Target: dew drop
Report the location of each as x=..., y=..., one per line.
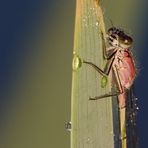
x=104, y=81
x=77, y=62
x=97, y=23
x=88, y=139
x=84, y=20
x=68, y=126
x=111, y=132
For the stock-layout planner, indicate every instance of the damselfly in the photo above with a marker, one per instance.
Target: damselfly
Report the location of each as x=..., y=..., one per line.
x=120, y=61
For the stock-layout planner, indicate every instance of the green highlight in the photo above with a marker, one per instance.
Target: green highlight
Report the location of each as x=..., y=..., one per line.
x=77, y=62
x=104, y=81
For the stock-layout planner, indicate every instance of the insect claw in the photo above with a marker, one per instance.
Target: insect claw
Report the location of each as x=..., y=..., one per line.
x=123, y=107
x=90, y=98
x=95, y=98
x=122, y=138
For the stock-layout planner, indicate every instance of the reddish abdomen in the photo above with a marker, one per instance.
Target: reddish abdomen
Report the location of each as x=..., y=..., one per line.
x=126, y=71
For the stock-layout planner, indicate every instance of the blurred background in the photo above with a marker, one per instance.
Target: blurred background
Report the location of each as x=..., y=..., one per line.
x=36, y=43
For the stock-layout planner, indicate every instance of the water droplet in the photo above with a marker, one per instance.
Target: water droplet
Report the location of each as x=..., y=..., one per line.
x=68, y=126
x=104, y=81
x=74, y=52
x=97, y=23
x=84, y=20
x=92, y=8
x=111, y=132
x=88, y=139
x=131, y=121
x=86, y=25
x=77, y=62
x=134, y=113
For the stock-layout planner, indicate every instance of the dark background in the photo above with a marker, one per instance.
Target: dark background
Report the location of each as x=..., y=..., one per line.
x=36, y=43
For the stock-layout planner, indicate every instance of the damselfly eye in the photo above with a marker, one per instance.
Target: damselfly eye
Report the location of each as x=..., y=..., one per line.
x=126, y=40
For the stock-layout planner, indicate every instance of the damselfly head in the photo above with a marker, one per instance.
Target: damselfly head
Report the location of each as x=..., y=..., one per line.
x=117, y=37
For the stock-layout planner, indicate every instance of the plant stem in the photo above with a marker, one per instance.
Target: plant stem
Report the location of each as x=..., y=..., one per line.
x=94, y=123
